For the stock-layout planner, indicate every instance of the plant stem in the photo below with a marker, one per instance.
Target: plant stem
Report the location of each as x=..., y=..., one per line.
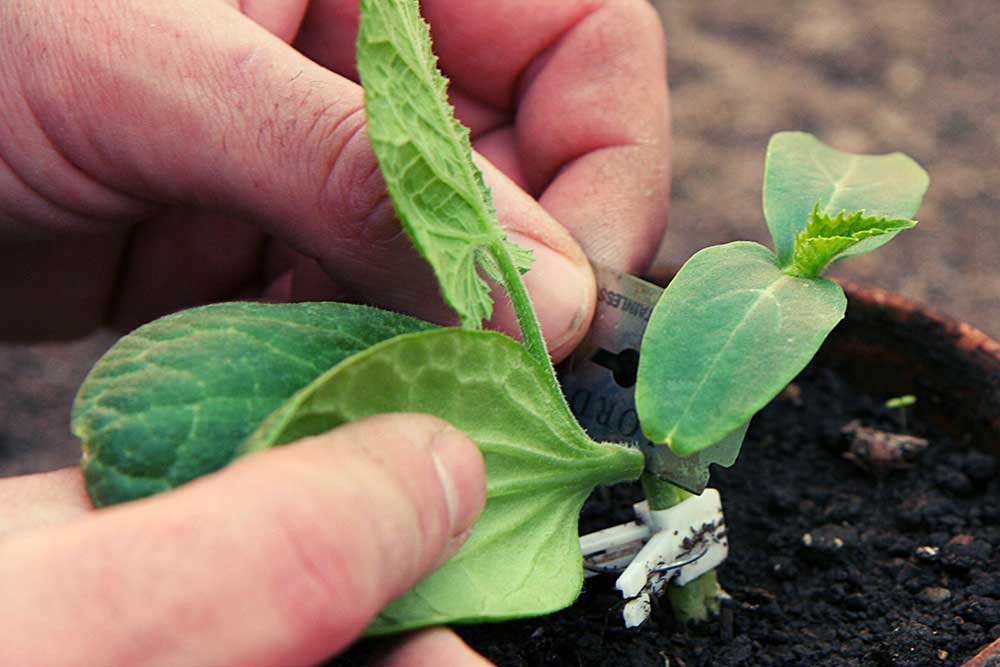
x=697, y=600
x=661, y=495
x=531, y=331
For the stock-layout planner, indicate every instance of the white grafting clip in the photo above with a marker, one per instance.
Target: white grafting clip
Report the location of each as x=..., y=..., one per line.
x=675, y=545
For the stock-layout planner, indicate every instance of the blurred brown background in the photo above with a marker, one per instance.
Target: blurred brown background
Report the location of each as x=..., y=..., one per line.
x=918, y=76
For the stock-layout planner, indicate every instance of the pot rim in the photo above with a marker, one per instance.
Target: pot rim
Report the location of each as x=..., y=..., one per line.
x=952, y=367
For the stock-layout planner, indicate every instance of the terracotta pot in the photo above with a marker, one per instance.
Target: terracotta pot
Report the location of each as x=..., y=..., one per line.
x=988, y=657
x=952, y=368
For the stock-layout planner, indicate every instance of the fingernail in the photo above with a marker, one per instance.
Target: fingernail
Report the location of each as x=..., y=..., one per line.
x=562, y=291
x=460, y=469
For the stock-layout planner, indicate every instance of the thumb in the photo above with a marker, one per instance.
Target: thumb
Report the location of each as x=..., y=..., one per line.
x=192, y=102
x=280, y=559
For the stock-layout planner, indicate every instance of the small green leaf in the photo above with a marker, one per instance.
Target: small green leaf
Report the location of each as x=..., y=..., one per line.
x=172, y=400
x=800, y=170
x=523, y=558
x=826, y=239
x=730, y=331
x=903, y=401
x=426, y=158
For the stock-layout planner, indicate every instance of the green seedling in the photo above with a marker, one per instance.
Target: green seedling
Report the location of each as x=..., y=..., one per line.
x=738, y=322
x=901, y=403
x=182, y=396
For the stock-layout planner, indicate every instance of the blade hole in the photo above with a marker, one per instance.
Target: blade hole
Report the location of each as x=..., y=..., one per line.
x=624, y=365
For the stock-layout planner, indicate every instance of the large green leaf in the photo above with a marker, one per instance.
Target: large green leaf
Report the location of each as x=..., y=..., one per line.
x=523, y=557
x=172, y=400
x=801, y=171
x=730, y=331
x=426, y=158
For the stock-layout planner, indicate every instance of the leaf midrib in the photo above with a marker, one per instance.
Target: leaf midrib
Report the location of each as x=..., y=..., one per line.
x=769, y=292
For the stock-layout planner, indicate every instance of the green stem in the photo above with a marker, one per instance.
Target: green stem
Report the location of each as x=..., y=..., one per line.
x=698, y=600
x=531, y=331
x=661, y=495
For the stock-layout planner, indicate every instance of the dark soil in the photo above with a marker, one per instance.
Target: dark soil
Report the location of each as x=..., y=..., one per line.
x=913, y=581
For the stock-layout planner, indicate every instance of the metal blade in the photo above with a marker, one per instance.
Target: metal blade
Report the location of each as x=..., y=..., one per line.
x=598, y=380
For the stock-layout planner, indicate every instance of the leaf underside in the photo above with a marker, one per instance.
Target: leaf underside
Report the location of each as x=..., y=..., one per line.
x=730, y=331
x=173, y=400
x=523, y=557
x=800, y=171
x=426, y=158
x=827, y=238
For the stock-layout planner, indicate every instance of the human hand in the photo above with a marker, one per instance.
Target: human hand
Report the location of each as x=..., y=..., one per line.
x=282, y=558
x=139, y=139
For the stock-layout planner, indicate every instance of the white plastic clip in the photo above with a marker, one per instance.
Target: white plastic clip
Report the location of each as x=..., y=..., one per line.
x=687, y=541
x=678, y=544
x=609, y=551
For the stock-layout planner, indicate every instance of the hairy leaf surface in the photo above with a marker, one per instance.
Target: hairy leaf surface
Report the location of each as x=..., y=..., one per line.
x=730, y=331
x=173, y=400
x=426, y=158
x=800, y=171
x=523, y=557
x=828, y=238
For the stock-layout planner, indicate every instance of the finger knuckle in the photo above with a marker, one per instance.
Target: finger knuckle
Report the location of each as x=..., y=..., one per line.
x=353, y=193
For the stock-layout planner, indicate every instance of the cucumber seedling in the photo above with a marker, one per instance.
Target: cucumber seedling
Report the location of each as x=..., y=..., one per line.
x=182, y=396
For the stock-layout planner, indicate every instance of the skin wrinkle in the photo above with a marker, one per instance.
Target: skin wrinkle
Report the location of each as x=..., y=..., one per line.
x=92, y=66
x=93, y=69
x=502, y=97
x=95, y=201
x=347, y=196
x=38, y=211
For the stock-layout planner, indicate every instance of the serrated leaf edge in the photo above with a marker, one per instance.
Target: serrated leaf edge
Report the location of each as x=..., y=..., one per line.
x=804, y=266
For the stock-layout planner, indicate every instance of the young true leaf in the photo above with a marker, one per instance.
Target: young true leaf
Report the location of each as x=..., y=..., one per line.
x=172, y=400
x=800, y=171
x=730, y=331
x=426, y=159
x=826, y=239
x=523, y=557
